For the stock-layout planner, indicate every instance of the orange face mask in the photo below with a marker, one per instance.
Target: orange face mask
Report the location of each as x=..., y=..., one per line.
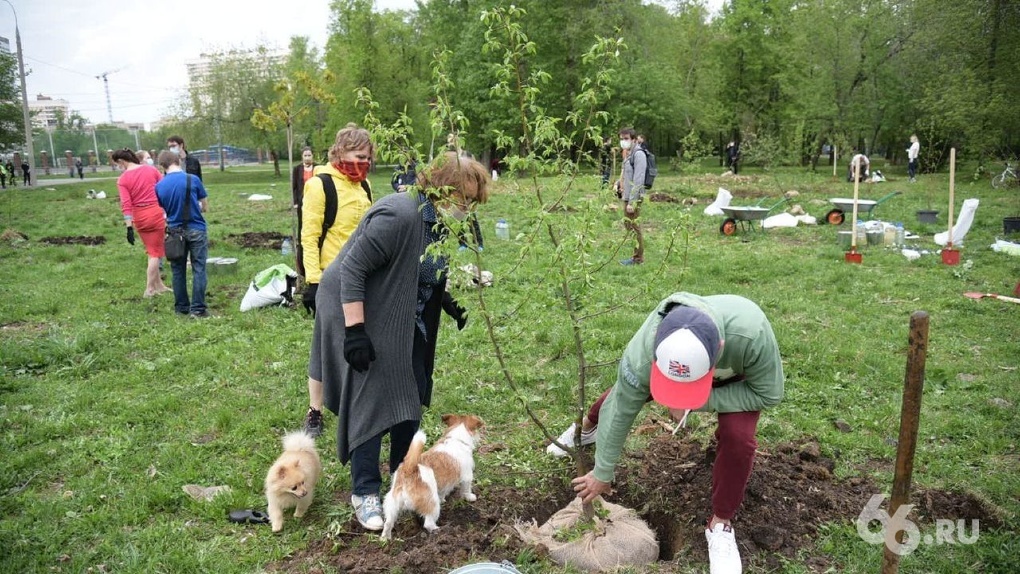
x=356, y=171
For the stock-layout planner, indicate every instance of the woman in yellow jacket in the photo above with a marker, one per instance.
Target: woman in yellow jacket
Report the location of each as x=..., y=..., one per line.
x=349, y=162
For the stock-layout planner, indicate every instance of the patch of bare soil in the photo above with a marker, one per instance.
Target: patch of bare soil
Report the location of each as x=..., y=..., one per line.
x=792, y=491
x=13, y=236
x=75, y=240
x=258, y=239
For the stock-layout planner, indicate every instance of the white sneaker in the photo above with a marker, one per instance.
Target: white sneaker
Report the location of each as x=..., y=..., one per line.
x=368, y=511
x=723, y=555
x=567, y=438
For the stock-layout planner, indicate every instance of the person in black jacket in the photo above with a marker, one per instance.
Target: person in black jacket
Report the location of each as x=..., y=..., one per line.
x=404, y=176
x=302, y=173
x=191, y=164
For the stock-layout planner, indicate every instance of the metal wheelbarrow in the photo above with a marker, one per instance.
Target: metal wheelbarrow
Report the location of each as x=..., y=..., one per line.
x=746, y=216
x=864, y=207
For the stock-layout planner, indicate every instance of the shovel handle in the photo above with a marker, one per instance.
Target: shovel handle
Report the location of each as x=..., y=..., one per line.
x=1005, y=298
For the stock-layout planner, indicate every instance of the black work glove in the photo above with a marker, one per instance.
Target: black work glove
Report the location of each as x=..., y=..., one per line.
x=358, y=349
x=308, y=297
x=453, y=309
x=131, y=235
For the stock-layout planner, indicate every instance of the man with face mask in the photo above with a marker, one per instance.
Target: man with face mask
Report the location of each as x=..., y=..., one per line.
x=631, y=188
x=191, y=164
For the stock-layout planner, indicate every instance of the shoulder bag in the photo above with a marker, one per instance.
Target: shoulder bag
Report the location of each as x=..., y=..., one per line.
x=174, y=243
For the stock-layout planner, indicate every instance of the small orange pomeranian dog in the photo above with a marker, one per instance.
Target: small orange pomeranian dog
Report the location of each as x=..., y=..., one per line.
x=291, y=480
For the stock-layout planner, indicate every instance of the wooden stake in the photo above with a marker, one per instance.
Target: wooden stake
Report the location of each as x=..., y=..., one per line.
x=853, y=221
x=910, y=416
x=952, y=188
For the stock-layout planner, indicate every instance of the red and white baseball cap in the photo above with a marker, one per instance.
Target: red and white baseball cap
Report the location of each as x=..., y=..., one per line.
x=686, y=349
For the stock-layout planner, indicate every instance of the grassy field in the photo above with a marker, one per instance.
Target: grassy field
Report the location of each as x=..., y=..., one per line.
x=109, y=403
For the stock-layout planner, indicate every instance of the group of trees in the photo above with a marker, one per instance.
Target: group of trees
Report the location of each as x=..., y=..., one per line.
x=789, y=74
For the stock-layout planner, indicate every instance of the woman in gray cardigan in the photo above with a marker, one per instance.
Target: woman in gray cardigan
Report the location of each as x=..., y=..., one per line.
x=368, y=317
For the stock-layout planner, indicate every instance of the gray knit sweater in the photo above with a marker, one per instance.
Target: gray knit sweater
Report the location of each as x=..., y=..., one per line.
x=379, y=266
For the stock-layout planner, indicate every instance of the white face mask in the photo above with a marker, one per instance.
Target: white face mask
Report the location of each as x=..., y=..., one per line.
x=625, y=144
x=175, y=149
x=148, y=161
x=453, y=212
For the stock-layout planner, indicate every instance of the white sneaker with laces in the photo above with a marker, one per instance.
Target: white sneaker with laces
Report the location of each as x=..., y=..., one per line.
x=723, y=555
x=368, y=511
x=567, y=438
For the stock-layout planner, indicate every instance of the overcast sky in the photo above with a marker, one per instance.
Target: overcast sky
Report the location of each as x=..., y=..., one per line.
x=67, y=43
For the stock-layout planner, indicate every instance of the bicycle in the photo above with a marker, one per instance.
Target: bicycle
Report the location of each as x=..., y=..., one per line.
x=1006, y=178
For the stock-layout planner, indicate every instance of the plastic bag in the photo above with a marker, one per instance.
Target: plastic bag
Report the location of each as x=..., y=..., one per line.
x=272, y=286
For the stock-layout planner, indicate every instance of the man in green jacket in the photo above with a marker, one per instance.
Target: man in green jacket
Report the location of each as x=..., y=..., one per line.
x=715, y=353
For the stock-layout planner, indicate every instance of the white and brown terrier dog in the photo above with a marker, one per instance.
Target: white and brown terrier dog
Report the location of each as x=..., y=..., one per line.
x=424, y=479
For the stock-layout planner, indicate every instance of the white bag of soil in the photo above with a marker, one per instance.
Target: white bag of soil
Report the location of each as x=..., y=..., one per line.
x=272, y=286
x=620, y=539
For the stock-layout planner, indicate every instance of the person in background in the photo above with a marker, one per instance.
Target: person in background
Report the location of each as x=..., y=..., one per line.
x=370, y=342
x=733, y=157
x=191, y=164
x=606, y=160
x=631, y=189
x=716, y=354
x=404, y=176
x=172, y=191
x=142, y=212
x=81, y=169
x=26, y=172
x=859, y=159
x=912, y=152
x=298, y=177
x=350, y=159
x=3, y=175
x=12, y=176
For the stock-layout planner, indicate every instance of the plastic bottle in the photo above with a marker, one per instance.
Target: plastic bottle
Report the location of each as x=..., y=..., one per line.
x=862, y=234
x=889, y=236
x=287, y=247
x=900, y=235
x=503, y=230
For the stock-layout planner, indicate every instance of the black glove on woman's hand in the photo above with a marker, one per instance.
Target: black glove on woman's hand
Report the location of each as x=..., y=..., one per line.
x=308, y=297
x=131, y=235
x=453, y=309
x=358, y=349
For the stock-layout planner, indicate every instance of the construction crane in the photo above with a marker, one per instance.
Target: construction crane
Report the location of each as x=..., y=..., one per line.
x=106, y=85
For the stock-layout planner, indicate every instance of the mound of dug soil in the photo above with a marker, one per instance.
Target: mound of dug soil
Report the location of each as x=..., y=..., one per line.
x=258, y=239
x=75, y=240
x=791, y=493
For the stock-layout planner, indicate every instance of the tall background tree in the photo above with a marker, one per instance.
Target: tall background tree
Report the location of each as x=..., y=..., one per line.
x=12, y=125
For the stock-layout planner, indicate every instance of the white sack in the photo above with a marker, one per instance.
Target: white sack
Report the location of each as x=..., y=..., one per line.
x=722, y=199
x=272, y=286
x=259, y=197
x=963, y=223
x=779, y=220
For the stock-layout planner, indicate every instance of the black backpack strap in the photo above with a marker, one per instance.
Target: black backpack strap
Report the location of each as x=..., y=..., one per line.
x=368, y=190
x=187, y=199
x=329, y=190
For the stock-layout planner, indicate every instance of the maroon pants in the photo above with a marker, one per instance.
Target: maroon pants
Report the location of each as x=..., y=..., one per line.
x=736, y=444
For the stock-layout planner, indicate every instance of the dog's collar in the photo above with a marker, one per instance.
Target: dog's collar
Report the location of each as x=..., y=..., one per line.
x=461, y=441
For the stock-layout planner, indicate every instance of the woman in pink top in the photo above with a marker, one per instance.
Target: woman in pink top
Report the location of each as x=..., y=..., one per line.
x=137, y=187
